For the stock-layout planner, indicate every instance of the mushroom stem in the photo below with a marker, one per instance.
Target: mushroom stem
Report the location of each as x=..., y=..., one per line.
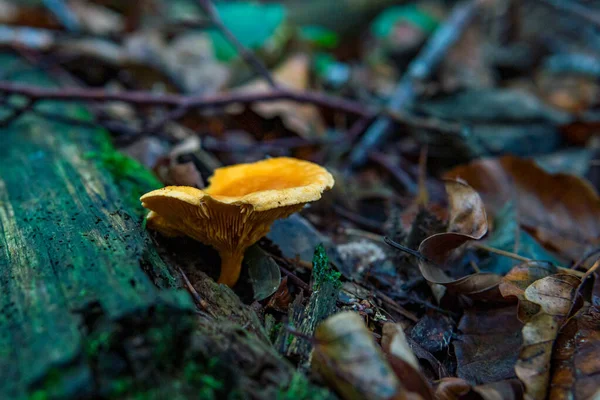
x=231, y=265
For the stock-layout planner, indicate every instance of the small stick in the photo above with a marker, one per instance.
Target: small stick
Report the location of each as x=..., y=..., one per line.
x=420, y=69
x=501, y=252
x=144, y=98
x=521, y=258
x=191, y=289
x=405, y=249
x=294, y=278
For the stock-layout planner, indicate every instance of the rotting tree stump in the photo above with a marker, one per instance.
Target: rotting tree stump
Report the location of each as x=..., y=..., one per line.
x=88, y=309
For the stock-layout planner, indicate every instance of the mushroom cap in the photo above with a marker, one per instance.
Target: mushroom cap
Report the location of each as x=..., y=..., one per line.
x=239, y=205
x=263, y=185
x=271, y=183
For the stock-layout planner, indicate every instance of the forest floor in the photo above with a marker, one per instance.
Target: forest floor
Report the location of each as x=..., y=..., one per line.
x=455, y=257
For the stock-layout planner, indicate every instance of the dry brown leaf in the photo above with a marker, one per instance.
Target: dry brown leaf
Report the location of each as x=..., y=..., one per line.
x=487, y=347
x=467, y=222
x=303, y=119
x=393, y=341
x=281, y=299
x=519, y=278
x=347, y=357
x=403, y=361
x=575, y=362
x=561, y=211
x=554, y=294
x=458, y=389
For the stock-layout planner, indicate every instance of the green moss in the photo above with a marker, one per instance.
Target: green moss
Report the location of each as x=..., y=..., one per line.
x=322, y=270
x=202, y=381
x=97, y=342
x=131, y=176
x=300, y=388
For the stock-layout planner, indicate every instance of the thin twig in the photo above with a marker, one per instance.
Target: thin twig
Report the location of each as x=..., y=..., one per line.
x=300, y=335
x=420, y=69
x=209, y=8
x=183, y=103
x=191, y=289
x=358, y=128
x=521, y=258
x=395, y=306
x=504, y=253
x=405, y=249
x=583, y=259
x=142, y=98
x=295, y=279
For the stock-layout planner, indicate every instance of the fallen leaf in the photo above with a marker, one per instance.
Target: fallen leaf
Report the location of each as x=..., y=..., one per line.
x=574, y=161
x=302, y=119
x=433, y=333
x=281, y=299
x=493, y=105
x=297, y=238
x=554, y=294
x=189, y=58
x=393, y=341
x=571, y=93
x=519, y=278
x=487, y=346
x=458, y=389
x=347, y=357
x=467, y=222
x=184, y=174
x=508, y=236
x=260, y=27
x=264, y=272
x=561, y=211
x=403, y=361
x=575, y=363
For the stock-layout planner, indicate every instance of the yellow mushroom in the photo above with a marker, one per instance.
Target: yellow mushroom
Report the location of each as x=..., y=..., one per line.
x=238, y=207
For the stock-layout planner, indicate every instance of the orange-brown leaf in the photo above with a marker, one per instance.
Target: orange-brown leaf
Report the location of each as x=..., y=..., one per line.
x=562, y=211
x=467, y=222
x=575, y=364
x=519, y=278
x=554, y=294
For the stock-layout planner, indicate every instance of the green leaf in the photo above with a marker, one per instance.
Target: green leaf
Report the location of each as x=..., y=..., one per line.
x=319, y=36
x=241, y=18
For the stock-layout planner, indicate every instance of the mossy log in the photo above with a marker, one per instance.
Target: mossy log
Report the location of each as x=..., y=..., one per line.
x=81, y=288
x=88, y=309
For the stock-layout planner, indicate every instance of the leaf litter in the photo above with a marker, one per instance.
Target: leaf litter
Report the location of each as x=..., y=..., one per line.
x=489, y=290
